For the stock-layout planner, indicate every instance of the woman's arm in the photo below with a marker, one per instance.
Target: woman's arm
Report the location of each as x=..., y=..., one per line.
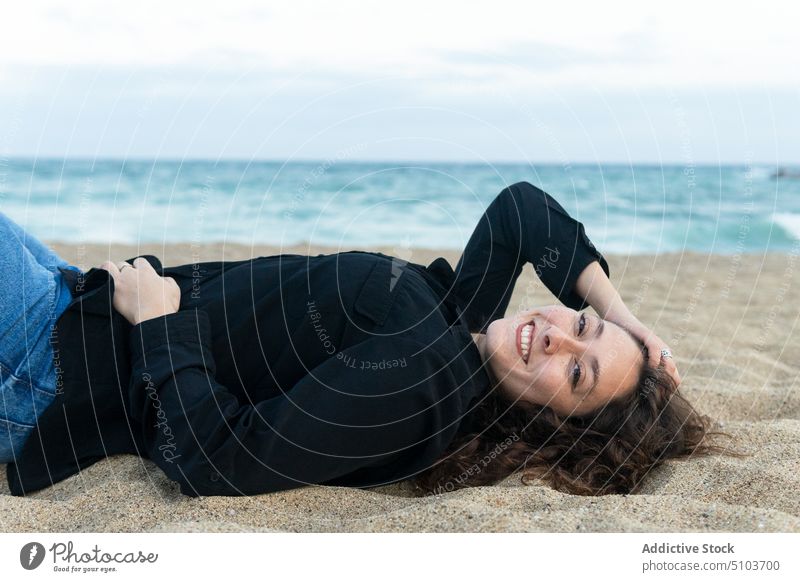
x=356, y=410
x=594, y=285
x=523, y=224
x=345, y=415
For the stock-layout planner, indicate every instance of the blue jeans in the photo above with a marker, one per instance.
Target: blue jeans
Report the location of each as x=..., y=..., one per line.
x=33, y=294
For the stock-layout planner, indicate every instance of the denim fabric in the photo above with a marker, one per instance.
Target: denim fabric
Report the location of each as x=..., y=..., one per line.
x=33, y=294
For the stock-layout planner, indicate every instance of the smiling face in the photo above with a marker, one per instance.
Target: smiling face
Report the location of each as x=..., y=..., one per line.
x=572, y=362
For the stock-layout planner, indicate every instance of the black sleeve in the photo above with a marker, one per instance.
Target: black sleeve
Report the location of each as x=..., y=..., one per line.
x=523, y=224
x=373, y=404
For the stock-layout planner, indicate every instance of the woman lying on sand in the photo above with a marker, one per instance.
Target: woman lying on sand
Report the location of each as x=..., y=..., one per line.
x=353, y=369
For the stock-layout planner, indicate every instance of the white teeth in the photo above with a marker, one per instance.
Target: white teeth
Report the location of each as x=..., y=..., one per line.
x=525, y=341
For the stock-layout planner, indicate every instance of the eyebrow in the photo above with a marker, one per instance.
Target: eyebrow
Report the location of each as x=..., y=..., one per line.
x=595, y=374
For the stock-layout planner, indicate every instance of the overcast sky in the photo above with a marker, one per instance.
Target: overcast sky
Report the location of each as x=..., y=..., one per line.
x=685, y=82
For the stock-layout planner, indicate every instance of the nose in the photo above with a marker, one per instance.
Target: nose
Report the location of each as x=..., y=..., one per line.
x=555, y=340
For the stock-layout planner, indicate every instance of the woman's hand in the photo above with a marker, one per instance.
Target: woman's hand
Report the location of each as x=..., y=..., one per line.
x=654, y=343
x=140, y=293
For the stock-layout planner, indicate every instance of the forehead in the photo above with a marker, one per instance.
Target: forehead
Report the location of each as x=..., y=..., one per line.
x=619, y=357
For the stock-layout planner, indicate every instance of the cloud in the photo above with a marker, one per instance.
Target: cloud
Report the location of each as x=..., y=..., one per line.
x=274, y=78
x=533, y=56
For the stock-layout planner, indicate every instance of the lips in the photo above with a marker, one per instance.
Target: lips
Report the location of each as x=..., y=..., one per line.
x=524, y=339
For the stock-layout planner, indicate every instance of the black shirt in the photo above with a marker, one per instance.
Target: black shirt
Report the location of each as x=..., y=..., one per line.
x=352, y=369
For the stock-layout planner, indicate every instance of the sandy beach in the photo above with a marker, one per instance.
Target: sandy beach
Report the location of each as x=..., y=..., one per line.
x=732, y=322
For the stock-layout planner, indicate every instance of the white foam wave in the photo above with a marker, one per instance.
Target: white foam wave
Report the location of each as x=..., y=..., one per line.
x=789, y=222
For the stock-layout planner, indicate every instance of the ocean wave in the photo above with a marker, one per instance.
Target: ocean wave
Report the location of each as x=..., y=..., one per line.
x=789, y=222
x=649, y=210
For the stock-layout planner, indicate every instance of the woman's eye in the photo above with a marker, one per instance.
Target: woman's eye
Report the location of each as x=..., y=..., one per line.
x=576, y=375
x=581, y=324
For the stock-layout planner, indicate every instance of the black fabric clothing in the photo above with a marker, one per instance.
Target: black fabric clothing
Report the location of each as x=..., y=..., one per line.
x=353, y=368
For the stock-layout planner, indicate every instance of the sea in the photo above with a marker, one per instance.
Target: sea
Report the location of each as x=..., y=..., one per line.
x=631, y=209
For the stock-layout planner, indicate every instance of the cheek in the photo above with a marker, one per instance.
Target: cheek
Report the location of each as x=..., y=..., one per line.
x=493, y=334
x=546, y=381
x=494, y=352
x=497, y=344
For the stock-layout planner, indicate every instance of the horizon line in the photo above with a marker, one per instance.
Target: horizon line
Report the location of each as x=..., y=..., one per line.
x=173, y=159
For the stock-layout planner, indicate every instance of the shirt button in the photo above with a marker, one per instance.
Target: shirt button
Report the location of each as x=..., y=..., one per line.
x=214, y=476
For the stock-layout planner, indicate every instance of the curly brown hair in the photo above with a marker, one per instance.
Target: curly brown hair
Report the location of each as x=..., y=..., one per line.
x=609, y=451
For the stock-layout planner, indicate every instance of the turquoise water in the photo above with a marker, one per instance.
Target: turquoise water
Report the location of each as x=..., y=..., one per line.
x=627, y=209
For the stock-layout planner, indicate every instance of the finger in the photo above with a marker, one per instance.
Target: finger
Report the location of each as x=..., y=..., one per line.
x=177, y=288
x=121, y=265
x=143, y=264
x=666, y=360
x=111, y=268
x=655, y=355
x=673, y=370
